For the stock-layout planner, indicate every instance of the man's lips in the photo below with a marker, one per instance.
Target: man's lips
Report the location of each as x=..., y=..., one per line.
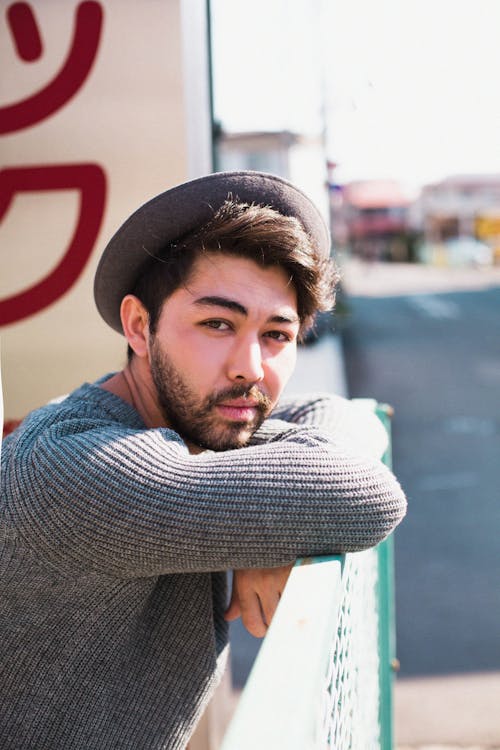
x=242, y=410
x=241, y=403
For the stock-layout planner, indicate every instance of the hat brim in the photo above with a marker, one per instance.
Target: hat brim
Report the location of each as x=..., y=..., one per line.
x=183, y=209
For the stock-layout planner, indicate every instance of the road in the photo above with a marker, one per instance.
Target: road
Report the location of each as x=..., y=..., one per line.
x=430, y=346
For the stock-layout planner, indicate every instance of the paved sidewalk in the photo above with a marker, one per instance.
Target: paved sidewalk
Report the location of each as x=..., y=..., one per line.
x=392, y=279
x=457, y=710
x=320, y=367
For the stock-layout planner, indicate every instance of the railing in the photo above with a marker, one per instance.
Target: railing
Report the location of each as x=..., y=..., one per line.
x=323, y=677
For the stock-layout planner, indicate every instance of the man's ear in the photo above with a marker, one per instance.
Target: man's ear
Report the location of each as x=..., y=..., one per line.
x=135, y=323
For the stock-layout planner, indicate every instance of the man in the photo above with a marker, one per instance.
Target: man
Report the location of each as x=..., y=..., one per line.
x=125, y=503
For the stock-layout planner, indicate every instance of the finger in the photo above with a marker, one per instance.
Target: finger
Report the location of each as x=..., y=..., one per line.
x=233, y=611
x=269, y=604
x=252, y=616
x=271, y=589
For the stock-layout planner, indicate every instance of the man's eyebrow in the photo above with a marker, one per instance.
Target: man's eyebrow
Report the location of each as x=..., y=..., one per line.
x=292, y=318
x=231, y=304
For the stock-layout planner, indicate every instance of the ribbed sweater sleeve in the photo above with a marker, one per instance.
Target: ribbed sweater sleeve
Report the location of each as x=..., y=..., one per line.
x=346, y=423
x=89, y=488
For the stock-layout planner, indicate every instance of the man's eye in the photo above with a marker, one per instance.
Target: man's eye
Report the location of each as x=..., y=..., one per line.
x=278, y=336
x=218, y=325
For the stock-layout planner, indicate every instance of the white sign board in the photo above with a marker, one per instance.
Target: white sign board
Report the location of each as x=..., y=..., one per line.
x=103, y=104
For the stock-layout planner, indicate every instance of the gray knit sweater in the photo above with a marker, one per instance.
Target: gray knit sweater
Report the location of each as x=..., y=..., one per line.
x=114, y=543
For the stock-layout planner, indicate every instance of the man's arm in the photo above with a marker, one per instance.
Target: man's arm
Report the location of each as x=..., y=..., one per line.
x=95, y=495
x=345, y=422
x=256, y=592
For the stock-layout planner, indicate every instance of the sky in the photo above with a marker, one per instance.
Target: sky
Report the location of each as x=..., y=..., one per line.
x=407, y=89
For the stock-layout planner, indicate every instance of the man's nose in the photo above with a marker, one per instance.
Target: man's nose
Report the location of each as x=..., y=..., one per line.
x=245, y=362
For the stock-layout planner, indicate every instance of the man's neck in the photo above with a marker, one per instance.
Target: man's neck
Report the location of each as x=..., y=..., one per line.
x=133, y=386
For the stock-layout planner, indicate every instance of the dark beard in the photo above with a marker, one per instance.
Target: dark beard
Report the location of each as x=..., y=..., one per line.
x=196, y=420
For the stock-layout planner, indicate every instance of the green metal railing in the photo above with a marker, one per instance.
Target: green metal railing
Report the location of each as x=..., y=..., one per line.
x=323, y=677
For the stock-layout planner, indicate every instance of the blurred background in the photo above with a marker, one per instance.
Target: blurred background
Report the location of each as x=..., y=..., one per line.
x=395, y=106
x=388, y=114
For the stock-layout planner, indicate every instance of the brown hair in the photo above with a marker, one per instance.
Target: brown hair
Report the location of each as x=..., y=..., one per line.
x=259, y=233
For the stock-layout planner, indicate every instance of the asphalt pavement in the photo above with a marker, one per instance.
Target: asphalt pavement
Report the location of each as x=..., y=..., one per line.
x=426, y=340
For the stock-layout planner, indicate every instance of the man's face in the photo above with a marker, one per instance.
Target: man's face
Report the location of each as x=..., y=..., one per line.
x=224, y=348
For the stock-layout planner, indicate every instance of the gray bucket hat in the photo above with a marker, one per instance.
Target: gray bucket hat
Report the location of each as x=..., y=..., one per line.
x=183, y=209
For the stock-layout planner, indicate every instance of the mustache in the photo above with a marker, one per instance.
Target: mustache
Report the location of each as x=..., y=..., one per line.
x=262, y=402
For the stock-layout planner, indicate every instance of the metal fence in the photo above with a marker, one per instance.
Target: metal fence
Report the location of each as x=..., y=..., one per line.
x=323, y=677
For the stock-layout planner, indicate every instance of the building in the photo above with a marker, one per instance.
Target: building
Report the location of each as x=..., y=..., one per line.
x=372, y=216
x=297, y=157
x=459, y=206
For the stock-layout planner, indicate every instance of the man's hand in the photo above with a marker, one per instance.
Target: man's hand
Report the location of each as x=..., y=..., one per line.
x=255, y=596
